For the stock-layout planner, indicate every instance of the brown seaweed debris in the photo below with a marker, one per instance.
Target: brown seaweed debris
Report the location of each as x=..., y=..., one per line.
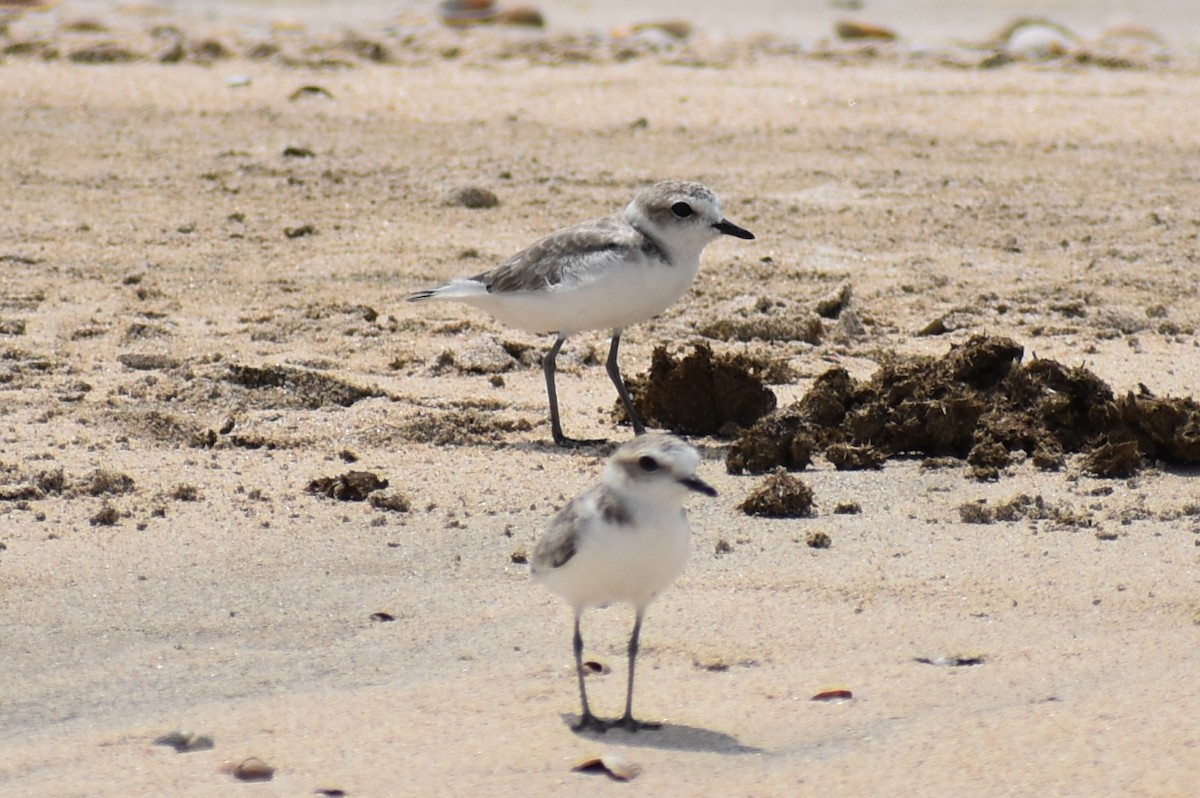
x=1024, y=507
x=979, y=402
x=780, y=495
x=787, y=437
x=848, y=457
x=1165, y=429
x=818, y=540
x=353, y=486
x=700, y=394
x=1113, y=459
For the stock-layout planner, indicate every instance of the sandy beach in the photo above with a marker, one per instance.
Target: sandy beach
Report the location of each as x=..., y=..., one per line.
x=203, y=265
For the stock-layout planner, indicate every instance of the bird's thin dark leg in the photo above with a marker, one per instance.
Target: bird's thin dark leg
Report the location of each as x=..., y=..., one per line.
x=627, y=721
x=587, y=721
x=549, y=363
x=614, y=374
x=548, y=366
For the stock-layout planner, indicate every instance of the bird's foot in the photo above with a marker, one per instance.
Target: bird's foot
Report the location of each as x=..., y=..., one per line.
x=629, y=724
x=590, y=723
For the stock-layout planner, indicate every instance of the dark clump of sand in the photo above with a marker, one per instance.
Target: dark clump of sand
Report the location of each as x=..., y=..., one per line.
x=701, y=393
x=780, y=495
x=979, y=402
x=353, y=486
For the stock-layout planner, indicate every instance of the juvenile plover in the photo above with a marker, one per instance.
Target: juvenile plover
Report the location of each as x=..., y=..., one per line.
x=624, y=540
x=600, y=275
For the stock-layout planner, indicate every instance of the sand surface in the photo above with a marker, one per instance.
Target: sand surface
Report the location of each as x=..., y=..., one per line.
x=163, y=568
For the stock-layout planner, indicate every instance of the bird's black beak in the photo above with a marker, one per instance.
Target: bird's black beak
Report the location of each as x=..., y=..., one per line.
x=726, y=227
x=699, y=485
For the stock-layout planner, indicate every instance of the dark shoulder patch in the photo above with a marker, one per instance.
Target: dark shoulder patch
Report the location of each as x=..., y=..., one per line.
x=612, y=511
x=558, y=545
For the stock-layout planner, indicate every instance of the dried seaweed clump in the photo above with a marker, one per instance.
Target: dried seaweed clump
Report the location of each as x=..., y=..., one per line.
x=700, y=394
x=978, y=402
x=353, y=486
x=780, y=495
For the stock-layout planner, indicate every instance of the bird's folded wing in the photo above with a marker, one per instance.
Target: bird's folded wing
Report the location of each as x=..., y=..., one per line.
x=564, y=256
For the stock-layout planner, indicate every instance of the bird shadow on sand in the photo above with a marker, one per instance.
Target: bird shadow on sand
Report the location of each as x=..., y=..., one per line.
x=604, y=447
x=587, y=448
x=670, y=737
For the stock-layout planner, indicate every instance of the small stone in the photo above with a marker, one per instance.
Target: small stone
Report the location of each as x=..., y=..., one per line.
x=253, y=769
x=521, y=16
x=474, y=197
x=300, y=231
x=390, y=501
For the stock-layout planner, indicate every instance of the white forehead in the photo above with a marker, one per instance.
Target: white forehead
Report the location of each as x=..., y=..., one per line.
x=669, y=451
x=666, y=193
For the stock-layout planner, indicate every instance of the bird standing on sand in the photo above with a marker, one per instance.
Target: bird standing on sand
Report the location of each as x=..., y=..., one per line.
x=600, y=275
x=625, y=539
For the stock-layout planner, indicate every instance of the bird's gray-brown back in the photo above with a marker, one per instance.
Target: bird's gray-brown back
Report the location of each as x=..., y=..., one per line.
x=572, y=250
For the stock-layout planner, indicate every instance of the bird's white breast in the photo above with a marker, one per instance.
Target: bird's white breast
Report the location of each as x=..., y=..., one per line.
x=629, y=562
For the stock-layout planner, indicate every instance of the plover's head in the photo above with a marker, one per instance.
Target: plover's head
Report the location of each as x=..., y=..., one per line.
x=655, y=467
x=681, y=215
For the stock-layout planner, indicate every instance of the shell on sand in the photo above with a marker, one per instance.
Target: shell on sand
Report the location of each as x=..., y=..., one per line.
x=615, y=765
x=1039, y=41
x=521, y=16
x=1033, y=37
x=463, y=13
x=253, y=769
x=850, y=29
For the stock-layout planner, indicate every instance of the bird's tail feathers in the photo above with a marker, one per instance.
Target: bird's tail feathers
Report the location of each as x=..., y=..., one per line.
x=455, y=289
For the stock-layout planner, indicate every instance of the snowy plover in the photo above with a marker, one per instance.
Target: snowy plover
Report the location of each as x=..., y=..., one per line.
x=604, y=274
x=625, y=539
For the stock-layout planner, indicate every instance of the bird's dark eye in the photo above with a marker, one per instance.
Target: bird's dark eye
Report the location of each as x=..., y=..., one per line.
x=681, y=210
x=648, y=463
